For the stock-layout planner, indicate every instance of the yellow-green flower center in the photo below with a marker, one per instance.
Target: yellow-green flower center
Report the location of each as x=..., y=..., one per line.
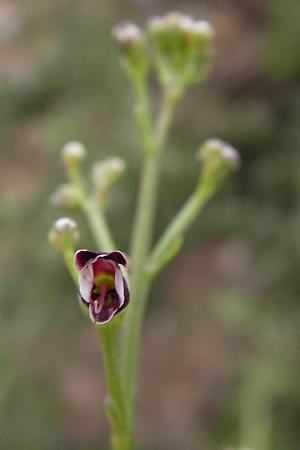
x=106, y=278
x=103, y=291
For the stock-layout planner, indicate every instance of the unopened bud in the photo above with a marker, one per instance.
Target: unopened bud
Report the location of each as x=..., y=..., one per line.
x=132, y=44
x=107, y=172
x=127, y=34
x=73, y=153
x=215, y=151
x=198, y=29
x=63, y=234
x=218, y=159
x=67, y=197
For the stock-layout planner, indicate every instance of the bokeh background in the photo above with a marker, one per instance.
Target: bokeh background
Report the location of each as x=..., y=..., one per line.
x=220, y=353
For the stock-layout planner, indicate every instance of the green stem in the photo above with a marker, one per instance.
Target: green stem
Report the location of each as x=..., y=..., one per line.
x=143, y=115
x=177, y=227
x=109, y=345
x=94, y=215
x=141, y=240
x=121, y=441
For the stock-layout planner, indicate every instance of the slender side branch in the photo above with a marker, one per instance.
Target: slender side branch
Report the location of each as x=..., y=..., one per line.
x=176, y=230
x=94, y=215
x=98, y=225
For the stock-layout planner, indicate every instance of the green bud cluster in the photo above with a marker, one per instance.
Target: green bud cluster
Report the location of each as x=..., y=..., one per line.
x=72, y=196
x=182, y=49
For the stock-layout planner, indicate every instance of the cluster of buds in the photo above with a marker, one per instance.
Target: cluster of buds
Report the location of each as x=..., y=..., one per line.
x=182, y=49
x=70, y=196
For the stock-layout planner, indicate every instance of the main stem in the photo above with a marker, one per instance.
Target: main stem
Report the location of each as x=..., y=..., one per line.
x=120, y=437
x=141, y=241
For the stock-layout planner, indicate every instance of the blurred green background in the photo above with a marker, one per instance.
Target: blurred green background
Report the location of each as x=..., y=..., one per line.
x=220, y=353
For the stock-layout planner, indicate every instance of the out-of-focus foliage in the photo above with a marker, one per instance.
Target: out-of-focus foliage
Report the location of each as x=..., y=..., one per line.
x=229, y=304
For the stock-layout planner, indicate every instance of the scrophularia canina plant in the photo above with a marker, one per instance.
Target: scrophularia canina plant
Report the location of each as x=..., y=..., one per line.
x=179, y=50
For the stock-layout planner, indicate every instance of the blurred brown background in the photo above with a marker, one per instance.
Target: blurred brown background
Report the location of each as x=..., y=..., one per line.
x=220, y=353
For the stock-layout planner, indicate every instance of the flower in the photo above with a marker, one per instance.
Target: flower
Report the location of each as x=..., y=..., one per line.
x=103, y=286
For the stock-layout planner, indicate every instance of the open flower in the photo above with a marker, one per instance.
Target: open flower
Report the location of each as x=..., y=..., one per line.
x=102, y=281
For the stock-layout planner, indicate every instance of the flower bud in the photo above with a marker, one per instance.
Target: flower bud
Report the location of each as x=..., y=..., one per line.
x=107, y=172
x=66, y=196
x=63, y=234
x=215, y=151
x=132, y=44
x=73, y=153
x=218, y=159
x=182, y=48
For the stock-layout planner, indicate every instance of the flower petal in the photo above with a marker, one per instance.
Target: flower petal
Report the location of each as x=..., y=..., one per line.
x=104, y=315
x=126, y=296
x=102, y=265
x=116, y=256
x=83, y=256
x=86, y=282
x=119, y=284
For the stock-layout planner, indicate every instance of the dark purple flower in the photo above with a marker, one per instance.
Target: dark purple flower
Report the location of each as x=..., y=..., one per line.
x=103, y=287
